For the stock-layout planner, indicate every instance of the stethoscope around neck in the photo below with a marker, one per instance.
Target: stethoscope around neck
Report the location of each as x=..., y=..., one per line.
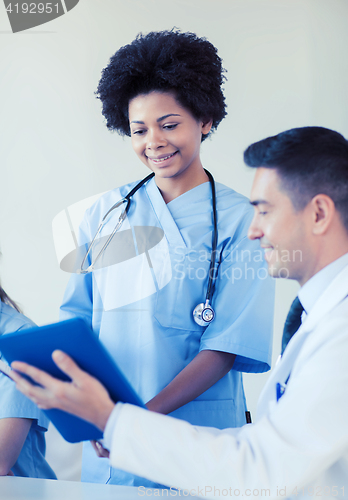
x=203, y=313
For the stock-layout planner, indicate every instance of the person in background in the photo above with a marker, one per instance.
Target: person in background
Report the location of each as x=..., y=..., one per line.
x=22, y=424
x=298, y=447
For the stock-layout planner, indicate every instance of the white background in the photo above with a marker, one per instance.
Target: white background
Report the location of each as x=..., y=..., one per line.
x=287, y=67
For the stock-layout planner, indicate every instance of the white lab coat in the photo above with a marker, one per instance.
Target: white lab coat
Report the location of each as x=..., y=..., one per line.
x=299, y=445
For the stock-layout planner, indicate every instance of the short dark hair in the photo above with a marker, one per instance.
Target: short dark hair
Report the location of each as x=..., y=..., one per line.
x=164, y=61
x=309, y=161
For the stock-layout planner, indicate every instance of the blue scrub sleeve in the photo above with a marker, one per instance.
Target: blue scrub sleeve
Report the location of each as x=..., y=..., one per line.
x=244, y=303
x=14, y=404
x=78, y=300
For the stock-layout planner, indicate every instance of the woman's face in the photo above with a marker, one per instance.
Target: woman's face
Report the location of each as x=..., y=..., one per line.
x=165, y=136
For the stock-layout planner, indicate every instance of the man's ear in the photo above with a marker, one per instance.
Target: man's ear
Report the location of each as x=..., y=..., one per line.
x=206, y=126
x=323, y=210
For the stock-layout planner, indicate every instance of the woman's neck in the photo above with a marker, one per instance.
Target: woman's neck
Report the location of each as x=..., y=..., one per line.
x=173, y=187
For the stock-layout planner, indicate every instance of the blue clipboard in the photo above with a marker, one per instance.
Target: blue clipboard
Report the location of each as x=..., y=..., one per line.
x=35, y=346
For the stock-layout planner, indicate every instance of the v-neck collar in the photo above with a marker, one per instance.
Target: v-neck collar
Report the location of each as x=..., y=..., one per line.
x=163, y=214
x=194, y=195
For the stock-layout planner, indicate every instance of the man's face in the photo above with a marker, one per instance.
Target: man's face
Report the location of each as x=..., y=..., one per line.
x=284, y=234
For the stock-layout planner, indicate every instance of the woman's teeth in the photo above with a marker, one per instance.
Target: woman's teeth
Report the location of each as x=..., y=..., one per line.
x=159, y=160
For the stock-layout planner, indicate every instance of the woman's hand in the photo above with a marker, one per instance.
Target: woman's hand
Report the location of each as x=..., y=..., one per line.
x=100, y=450
x=84, y=396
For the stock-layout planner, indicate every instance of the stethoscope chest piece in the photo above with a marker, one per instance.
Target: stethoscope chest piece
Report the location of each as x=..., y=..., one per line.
x=203, y=314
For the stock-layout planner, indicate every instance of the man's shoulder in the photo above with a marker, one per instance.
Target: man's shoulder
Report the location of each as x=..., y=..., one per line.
x=339, y=314
x=333, y=326
x=327, y=340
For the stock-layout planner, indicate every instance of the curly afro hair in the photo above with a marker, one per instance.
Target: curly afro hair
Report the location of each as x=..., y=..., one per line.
x=164, y=61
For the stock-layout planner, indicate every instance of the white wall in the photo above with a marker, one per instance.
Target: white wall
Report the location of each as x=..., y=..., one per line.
x=287, y=66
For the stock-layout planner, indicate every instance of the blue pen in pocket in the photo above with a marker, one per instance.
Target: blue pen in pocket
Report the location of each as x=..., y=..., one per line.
x=280, y=389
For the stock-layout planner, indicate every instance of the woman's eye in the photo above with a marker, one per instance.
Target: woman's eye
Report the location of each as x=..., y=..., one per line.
x=138, y=132
x=170, y=126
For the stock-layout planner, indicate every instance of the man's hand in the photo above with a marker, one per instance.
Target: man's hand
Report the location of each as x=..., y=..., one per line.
x=84, y=396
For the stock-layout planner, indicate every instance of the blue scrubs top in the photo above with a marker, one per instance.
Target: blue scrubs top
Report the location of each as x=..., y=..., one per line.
x=140, y=298
x=31, y=461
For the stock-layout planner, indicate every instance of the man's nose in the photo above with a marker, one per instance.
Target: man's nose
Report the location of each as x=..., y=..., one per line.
x=254, y=231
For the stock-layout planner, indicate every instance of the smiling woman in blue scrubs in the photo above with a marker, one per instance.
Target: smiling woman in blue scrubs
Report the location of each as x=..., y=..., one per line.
x=164, y=91
x=22, y=424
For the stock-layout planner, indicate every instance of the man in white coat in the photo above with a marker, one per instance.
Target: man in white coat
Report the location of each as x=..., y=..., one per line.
x=298, y=447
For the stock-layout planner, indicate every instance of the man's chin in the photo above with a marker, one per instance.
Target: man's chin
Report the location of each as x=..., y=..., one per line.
x=278, y=271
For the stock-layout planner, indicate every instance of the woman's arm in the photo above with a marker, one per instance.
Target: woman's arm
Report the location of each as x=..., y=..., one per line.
x=198, y=376
x=13, y=433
